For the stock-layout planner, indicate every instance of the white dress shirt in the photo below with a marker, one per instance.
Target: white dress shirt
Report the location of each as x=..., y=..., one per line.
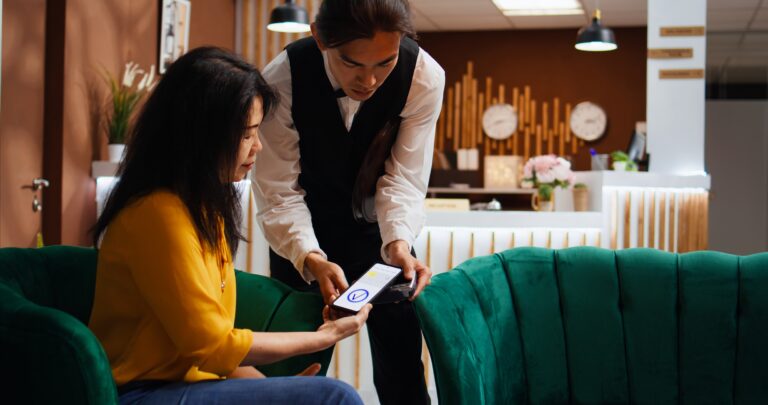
x=283, y=215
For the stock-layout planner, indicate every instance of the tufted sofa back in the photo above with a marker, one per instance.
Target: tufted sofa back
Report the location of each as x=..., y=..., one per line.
x=594, y=326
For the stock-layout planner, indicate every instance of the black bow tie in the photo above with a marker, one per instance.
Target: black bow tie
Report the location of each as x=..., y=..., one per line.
x=340, y=93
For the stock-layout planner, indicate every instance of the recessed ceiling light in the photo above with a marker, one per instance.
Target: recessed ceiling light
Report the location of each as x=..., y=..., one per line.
x=539, y=7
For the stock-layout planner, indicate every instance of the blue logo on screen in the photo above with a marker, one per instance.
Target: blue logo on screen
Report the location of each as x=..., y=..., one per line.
x=357, y=295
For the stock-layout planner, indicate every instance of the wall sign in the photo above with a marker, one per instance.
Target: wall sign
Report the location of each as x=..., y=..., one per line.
x=670, y=53
x=681, y=74
x=692, y=31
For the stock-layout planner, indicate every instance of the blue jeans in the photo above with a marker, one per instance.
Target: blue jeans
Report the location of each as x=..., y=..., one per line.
x=275, y=390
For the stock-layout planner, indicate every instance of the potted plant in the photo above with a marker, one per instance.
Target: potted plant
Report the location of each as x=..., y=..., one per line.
x=580, y=197
x=622, y=162
x=124, y=98
x=545, y=173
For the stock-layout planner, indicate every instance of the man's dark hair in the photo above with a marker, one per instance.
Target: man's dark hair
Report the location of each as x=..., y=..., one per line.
x=186, y=141
x=342, y=21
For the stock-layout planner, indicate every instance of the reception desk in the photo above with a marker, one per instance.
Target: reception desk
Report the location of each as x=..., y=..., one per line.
x=665, y=212
x=626, y=209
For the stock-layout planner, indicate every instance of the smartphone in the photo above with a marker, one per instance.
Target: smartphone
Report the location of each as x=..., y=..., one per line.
x=366, y=288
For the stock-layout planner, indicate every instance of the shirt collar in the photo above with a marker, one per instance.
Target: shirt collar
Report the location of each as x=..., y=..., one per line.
x=334, y=83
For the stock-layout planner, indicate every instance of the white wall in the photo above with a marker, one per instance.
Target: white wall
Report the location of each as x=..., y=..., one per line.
x=675, y=107
x=737, y=160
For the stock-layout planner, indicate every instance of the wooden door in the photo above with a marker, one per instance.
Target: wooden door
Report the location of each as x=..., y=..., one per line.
x=21, y=120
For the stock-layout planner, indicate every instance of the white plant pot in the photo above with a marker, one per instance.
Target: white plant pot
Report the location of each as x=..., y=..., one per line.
x=116, y=151
x=620, y=166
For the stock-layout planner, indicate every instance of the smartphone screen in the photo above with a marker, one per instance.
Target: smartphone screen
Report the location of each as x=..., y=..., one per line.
x=367, y=287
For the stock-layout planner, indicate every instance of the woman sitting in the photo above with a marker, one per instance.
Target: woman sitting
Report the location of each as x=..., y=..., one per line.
x=164, y=305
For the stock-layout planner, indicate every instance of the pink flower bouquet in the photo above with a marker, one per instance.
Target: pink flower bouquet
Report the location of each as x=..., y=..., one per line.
x=546, y=172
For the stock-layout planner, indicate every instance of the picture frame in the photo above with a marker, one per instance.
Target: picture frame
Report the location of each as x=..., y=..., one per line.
x=174, y=31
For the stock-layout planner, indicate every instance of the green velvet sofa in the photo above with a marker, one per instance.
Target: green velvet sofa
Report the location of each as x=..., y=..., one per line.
x=594, y=326
x=49, y=356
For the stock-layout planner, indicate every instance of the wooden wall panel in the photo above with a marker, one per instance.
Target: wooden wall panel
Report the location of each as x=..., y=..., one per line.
x=258, y=45
x=547, y=62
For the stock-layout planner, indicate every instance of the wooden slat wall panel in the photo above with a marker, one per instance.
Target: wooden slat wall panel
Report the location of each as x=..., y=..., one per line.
x=680, y=225
x=259, y=45
x=469, y=97
x=652, y=220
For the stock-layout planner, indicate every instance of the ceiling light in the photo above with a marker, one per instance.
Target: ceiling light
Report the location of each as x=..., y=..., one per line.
x=539, y=7
x=595, y=38
x=289, y=18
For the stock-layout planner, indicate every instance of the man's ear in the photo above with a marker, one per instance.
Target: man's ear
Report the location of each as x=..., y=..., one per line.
x=316, y=36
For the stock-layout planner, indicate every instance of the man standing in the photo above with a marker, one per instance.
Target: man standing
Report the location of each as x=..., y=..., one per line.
x=342, y=177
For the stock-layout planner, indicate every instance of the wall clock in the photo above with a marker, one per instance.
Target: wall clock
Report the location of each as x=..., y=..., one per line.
x=588, y=121
x=500, y=121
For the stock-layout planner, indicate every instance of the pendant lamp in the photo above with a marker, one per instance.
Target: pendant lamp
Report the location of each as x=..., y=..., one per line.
x=289, y=18
x=595, y=37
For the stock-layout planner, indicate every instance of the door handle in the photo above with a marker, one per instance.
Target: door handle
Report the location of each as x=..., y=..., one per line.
x=39, y=183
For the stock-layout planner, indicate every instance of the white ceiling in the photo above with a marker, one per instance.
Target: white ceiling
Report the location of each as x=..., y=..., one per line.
x=737, y=30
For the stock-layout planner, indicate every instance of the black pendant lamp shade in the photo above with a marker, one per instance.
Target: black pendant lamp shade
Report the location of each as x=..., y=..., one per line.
x=595, y=37
x=289, y=18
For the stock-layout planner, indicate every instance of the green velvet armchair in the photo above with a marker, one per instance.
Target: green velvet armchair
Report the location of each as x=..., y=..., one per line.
x=594, y=326
x=48, y=355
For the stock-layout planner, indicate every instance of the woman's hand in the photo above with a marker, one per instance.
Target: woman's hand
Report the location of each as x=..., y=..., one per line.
x=335, y=330
x=246, y=372
x=330, y=277
x=253, y=372
x=310, y=371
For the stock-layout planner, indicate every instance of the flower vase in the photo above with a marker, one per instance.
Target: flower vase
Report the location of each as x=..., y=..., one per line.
x=116, y=151
x=580, y=199
x=542, y=205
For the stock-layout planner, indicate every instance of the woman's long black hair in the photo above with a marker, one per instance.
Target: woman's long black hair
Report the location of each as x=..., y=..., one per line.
x=186, y=140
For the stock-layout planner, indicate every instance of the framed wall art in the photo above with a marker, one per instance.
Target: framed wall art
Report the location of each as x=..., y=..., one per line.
x=174, y=31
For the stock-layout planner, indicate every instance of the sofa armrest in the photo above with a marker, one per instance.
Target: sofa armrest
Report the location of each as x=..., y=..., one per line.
x=49, y=356
x=267, y=305
x=440, y=310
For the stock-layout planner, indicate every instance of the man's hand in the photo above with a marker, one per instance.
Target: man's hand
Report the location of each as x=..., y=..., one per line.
x=330, y=278
x=400, y=255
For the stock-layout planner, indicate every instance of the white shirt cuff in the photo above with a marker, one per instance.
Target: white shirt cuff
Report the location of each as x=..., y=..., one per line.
x=302, y=267
x=387, y=239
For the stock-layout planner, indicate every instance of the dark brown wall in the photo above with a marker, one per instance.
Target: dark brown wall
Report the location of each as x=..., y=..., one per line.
x=85, y=38
x=547, y=61
x=21, y=119
x=107, y=35
x=98, y=36
x=213, y=23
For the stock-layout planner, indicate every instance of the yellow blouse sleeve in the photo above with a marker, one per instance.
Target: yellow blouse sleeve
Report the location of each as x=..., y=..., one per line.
x=170, y=272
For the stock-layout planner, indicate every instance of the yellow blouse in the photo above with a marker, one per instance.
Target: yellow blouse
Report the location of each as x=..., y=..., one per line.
x=159, y=309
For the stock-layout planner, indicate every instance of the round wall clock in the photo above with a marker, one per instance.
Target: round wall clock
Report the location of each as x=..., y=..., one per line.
x=588, y=121
x=500, y=121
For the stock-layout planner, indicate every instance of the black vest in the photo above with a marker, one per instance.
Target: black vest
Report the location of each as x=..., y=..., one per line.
x=339, y=168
